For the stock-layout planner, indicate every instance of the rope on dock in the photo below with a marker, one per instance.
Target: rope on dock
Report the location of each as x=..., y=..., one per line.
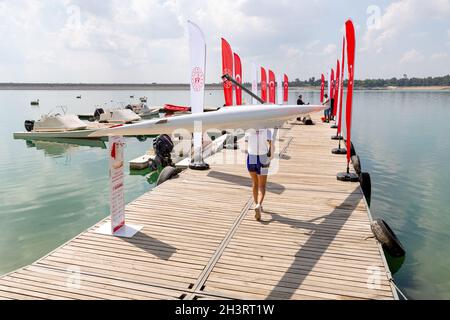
x=398, y=289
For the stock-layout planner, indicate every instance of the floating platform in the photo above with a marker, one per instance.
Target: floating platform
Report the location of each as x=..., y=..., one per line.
x=141, y=162
x=75, y=134
x=200, y=239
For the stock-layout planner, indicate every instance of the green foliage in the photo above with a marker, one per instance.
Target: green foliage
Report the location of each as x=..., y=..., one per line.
x=383, y=83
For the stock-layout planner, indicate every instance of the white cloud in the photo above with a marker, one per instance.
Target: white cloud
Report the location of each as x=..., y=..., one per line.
x=312, y=44
x=439, y=55
x=146, y=40
x=329, y=49
x=412, y=56
x=292, y=52
x=398, y=19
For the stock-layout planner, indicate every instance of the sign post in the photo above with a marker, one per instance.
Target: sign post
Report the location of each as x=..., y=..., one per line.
x=116, y=187
x=117, y=226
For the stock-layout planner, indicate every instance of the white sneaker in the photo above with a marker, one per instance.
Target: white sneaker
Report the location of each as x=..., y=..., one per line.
x=258, y=212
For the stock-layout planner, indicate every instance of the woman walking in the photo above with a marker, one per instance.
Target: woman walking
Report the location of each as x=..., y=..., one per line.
x=260, y=152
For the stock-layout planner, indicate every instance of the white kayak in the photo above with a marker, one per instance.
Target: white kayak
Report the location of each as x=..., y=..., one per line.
x=227, y=118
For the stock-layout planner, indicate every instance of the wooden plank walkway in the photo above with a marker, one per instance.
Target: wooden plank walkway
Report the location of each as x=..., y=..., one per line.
x=200, y=239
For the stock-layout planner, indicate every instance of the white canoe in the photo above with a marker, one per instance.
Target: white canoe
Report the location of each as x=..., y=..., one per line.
x=229, y=118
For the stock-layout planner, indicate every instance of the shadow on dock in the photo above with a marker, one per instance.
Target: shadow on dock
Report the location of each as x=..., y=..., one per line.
x=272, y=187
x=152, y=245
x=320, y=239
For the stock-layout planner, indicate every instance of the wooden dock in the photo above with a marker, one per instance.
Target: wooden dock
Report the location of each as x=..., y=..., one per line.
x=200, y=239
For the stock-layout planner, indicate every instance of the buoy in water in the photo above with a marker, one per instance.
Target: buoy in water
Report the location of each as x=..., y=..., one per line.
x=366, y=186
x=166, y=174
x=352, y=150
x=387, y=238
x=356, y=164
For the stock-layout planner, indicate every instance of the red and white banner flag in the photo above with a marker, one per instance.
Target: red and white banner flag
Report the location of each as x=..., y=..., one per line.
x=341, y=94
x=263, y=84
x=350, y=36
x=279, y=79
x=197, y=48
x=336, y=89
x=271, y=87
x=238, y=78
x=286, y=89
x=227, y=68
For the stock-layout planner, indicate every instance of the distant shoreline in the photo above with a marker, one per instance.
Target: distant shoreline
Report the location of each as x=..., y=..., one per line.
x=155, y=86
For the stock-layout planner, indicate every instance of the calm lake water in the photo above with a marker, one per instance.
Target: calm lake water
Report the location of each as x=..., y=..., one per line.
x=50, y=192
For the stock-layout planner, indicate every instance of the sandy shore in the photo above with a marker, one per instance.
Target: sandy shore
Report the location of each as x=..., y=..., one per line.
x=418, y=88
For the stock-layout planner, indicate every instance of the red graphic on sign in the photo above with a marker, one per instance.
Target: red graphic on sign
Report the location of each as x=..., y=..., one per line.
x=271, y=87
x=227, y=84
x=286, y=89
x=197, y=79
x=263, y=85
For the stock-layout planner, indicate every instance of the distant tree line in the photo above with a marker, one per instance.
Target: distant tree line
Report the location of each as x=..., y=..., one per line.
x=380, y=83
x=311, y=82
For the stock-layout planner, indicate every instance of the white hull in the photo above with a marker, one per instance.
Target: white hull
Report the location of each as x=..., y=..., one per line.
x=57, y=122
x=241, y=117
x=76, y=134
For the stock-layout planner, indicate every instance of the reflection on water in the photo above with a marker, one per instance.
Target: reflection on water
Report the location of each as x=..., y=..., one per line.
x=51, y=190
x=402, y=139
x=59, y=147
x=395, y=263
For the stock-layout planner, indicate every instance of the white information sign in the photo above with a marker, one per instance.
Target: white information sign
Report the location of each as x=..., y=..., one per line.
x=117, y=226
x=116, y=183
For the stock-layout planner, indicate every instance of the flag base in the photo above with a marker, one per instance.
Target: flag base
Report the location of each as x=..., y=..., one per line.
x=347, y=177
x=127, y=231
x=336, y=137
x=199, y=166
x=339, y=151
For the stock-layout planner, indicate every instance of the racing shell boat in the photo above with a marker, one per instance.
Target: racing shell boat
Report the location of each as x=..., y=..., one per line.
x=239, y=117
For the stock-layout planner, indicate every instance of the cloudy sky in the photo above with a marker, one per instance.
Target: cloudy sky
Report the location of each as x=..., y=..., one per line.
x=146, y=40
